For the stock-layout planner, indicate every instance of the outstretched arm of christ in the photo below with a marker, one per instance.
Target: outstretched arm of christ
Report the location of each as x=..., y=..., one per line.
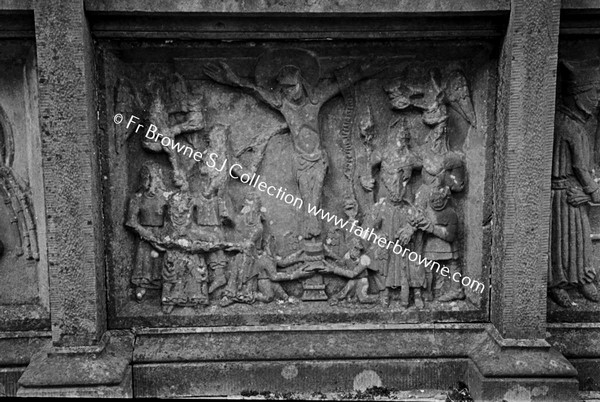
x=345, y=78
x=223, y=74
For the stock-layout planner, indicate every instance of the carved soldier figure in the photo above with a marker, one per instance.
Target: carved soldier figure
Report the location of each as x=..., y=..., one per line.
x=146, y=215
x=390, y=214
x=441, y=168
x=440, y=224
x=573, y=188
x=298, y=96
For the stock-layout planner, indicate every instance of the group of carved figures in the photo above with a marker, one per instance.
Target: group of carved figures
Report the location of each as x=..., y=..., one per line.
x=192, y=241
x=182, y=237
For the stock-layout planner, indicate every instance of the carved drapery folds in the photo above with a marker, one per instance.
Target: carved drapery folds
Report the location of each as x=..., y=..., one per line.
x=15, y=195
x=575, y=191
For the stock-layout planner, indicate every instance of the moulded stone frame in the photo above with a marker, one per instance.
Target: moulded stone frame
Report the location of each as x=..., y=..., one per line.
x=521, y=207
x=123, y=312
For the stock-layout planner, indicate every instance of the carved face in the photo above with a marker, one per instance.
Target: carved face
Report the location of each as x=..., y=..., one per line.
x=291, y=84
x=293, y=92
x=399, y=96
x=439, y=131
x=248, y=206
x=402, y=140
x=251, y=209
x=439, y=197
x=355, y=252
x=151, y=178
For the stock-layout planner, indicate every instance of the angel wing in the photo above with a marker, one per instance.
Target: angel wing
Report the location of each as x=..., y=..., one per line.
x=458, y=96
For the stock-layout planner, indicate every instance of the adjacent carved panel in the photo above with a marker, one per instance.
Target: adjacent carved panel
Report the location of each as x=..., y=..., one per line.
x=575, y=224
x=23, y=268
x=281, y=183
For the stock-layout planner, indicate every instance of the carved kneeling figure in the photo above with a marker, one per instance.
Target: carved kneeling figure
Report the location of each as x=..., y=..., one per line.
x=355, y=267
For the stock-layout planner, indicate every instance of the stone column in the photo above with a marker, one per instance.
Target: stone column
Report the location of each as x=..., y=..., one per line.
x=80, y=358
x=515, y=345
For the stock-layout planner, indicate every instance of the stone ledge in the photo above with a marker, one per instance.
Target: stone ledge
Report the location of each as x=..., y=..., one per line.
x=305, y=342
x=298, y=6
x=575, y=340
x=16, y=5
x=9, y=378
x=289, y=376
x=121, y=390
x=16, y=348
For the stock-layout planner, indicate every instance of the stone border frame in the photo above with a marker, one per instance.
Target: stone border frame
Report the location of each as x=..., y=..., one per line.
x=124, y=313
x=523, y=156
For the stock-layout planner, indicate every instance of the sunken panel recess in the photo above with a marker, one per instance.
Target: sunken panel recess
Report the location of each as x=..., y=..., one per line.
x=575, y=226
x=392, y=137
x=23, y=263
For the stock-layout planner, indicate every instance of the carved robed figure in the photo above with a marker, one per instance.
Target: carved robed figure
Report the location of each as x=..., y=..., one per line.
x=573, y=188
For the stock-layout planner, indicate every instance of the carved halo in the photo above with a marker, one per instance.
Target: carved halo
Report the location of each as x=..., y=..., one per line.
x=271, y=62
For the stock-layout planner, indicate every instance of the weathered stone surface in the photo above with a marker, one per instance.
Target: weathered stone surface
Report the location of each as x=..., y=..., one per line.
x=306, y=342
x=71, y=182
x=16, y=348
x=299, y=6
x=521, y=389
x=519, y=369
x=481, y=90
x=232, y=378
x=121, y=390
x=9, y=378
x=256, y=133
x=23, y=265
x=523, y=156
x=80, y=372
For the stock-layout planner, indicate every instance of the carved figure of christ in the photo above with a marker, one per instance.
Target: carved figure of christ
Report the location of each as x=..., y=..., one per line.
x=299, y=104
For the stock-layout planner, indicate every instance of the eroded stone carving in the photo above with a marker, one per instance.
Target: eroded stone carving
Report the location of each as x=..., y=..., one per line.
x=146, y=214
x=195, y=247
x=390, y=214
x=16, y=196
x=573, y=187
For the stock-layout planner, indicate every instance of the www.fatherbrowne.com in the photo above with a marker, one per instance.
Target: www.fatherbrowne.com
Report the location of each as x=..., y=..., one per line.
x=290, y=199
x=370, y=235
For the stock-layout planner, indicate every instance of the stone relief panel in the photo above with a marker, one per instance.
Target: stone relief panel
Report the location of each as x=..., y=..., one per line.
x=574, y=258
x=286, y=178
x=23, y=267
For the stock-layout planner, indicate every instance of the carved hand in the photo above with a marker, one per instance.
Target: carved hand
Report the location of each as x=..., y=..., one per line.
x=221, y=73
x=303, y=272
x=596, y=196
x=576, y=197
x=157, y=246
x=404, y=236
x=367, y=182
